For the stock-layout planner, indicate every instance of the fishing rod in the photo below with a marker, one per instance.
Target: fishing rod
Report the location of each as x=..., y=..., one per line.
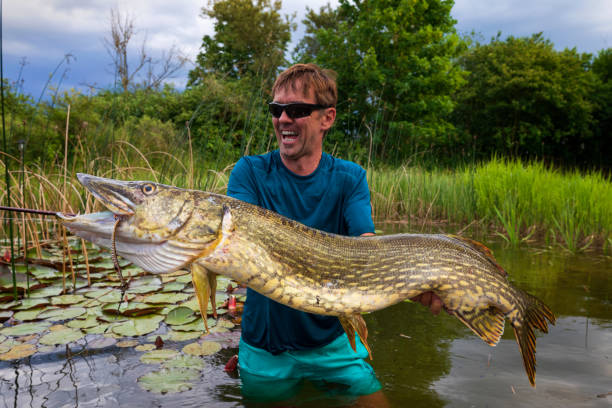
x=32, y=211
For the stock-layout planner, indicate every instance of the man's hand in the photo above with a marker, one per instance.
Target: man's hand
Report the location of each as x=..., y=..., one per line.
x=430, y=300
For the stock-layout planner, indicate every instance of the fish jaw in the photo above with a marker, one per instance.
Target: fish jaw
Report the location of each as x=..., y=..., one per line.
x=147, y=219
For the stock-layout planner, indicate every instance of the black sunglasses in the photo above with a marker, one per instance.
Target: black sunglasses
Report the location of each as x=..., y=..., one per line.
x=294, y=110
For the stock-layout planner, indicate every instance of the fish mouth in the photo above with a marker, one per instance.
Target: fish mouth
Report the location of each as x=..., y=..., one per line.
x=114, y=194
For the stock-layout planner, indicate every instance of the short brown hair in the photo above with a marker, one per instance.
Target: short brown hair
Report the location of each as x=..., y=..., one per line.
x=310, y=76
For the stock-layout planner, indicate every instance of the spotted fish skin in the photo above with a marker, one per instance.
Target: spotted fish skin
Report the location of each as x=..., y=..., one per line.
x=165, y=228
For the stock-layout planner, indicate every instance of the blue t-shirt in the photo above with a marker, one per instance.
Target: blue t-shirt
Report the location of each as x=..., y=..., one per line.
x=334, y=198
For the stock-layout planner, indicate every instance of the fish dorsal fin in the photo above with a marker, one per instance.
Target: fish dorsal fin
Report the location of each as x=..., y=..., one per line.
x=487, y=323
x=481, y=249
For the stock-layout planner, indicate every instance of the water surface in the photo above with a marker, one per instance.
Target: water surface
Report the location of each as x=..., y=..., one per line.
x=422, y=360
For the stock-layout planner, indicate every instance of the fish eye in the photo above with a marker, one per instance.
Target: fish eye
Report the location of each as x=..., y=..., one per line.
x=148, y=189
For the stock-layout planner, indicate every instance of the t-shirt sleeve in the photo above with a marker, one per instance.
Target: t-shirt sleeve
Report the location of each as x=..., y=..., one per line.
x=358, y=212
x=241, y=184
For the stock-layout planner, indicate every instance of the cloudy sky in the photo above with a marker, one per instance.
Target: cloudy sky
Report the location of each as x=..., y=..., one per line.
x=38, y=34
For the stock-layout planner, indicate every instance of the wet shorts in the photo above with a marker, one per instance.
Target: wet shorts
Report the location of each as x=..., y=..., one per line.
x=335, y=368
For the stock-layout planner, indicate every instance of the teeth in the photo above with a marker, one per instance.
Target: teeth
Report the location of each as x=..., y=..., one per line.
x=288, y=133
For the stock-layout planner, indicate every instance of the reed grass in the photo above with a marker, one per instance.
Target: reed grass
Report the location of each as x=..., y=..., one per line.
x=522, y=201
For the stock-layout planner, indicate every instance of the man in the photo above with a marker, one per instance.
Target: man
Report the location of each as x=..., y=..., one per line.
x=280, y=346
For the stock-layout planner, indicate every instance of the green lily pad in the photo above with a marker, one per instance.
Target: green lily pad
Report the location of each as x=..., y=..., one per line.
x=90, y=321
x=99, y=329
x=62, y=314
x=192, y=304
x=180, y=315
x=184, y=336
x=158, y=356
x=145, y=347
x=169, y=380
x=182, y=361
x=184, y=278
x=173, y=287
x=154, y=337
x=31, y=303
x=138, y=326
x=27, y=315
x=107, y=295
x=205, y=348
x=44, y=272
x=61, y=337
x=49, y=291
x=25, y=329
x=18, y=351
x=9, y=305
x=131, y=308
x=144, y=289
x=127, y=343
x=67, y=299
x=172, y=298
x=197, y=325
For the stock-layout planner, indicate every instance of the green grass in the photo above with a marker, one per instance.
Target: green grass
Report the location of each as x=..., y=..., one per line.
x=520, y=200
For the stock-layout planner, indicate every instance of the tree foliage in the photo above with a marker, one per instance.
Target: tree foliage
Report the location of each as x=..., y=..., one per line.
x=250, y=40
x=395, y=72
x=525, y=99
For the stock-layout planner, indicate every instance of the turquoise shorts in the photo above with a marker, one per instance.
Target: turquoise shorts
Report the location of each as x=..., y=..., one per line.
x=335, y=368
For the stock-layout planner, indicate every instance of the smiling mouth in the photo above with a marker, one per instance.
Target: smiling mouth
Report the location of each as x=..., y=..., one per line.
x=288, y=135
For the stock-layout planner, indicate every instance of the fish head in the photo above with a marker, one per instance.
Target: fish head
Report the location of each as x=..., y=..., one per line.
x=144, y=222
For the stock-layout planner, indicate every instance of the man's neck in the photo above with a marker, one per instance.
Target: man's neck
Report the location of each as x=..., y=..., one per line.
x=303, y=166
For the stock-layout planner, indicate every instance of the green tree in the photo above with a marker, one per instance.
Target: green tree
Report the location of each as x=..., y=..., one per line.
x=525, y=99
x=250, y=40
x=394, y=60
x=601, y=148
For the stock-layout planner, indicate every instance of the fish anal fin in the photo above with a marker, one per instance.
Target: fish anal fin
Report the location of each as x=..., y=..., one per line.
x=355, y=324
x=205, y=285
x=487, y=323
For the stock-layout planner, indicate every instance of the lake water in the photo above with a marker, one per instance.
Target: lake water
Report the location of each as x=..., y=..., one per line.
x=422, y=360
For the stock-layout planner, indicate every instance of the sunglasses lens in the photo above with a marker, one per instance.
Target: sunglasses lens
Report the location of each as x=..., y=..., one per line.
x=298, y=111
x=276, y=110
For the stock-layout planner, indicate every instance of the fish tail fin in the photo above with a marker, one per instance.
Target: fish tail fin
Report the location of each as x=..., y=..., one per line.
x=534, y=316
x=355, y=323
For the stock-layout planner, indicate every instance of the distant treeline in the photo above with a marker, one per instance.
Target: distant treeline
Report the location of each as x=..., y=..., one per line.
x=411, y=90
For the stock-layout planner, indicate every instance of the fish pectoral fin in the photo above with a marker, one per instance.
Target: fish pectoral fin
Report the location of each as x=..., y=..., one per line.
x=205, y=285
x=487, y=323
x=355, y=323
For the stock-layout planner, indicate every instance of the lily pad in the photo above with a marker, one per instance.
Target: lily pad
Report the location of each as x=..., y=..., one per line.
x=25, y=329
x=144, y=289
x=158, y=356
x=44, y=272
x=138, y=326
x=197, y=325
x=127, y=343
x=90, y=321
x=31, y=303
x=145, y=347
x=184, y=278
x=49, y=291
x=184, y=336
x=67, y=299
x=173, y=287
x=101, y=343
x=27, y=315
x=180, y=315
x=169, y=380
x=183, y=361
x=131, y=308
x=62, y=314
x=172, y=298
x=106, y=295
x=18, y=351
x=192, y=304
x=61, y=337
x=5, y=315
x=205, y=348
x=99, y=329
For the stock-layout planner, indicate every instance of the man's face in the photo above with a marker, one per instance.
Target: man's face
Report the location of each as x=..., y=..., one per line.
x=301, y=137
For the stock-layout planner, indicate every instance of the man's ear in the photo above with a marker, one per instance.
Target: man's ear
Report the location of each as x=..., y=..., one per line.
x=328, y=116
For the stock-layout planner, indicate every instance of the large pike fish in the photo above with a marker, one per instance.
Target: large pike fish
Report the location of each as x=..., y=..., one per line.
x=163, y=228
